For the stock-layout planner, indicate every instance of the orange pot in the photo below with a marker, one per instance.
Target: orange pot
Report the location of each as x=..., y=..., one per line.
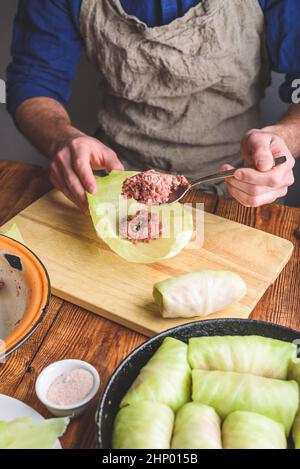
x=24, y=294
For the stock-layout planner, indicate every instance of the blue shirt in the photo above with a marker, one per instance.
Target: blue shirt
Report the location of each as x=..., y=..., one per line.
x=47, y=44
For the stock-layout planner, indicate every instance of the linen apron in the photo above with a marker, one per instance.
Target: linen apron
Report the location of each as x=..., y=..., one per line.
x=178, y=97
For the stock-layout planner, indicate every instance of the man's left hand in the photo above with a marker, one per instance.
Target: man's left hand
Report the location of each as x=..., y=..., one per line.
x=266, y=183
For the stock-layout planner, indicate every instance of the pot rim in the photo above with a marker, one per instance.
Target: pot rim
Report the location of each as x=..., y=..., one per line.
x=22, y=336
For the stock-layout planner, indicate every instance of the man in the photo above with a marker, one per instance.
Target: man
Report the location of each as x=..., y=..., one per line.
x=181, y=82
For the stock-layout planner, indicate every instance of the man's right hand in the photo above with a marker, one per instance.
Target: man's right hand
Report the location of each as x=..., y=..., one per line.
x=73, y=154
x=73, y=164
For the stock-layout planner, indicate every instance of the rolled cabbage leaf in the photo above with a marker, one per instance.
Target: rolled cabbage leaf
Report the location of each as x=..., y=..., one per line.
x=256, y=355
x=296, y=431
x=294, y=370
x=247, y=430
x=166, y=378
x=197, y=426
x=108, y=207
x=26, y=434
x=228, y=391
x=198, y=293
x=294, y=373
x=143, y=425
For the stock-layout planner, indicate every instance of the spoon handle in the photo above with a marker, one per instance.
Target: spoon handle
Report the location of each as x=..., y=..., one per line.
x=226, y=174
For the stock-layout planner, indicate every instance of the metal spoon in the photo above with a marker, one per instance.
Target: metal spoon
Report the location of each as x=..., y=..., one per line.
x=177, y=194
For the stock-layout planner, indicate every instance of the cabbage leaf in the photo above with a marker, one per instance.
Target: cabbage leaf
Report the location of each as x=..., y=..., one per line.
x=256, y=355
x=108, y=207
x=143, y=425
x=229, y=391
x=294, y=373
x=247, y=430
x=14, y=233
x=26, y=434
x=197, y=426
x=166, y=378
x=198, y=293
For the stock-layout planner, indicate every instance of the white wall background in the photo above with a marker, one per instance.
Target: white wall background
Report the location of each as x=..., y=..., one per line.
x=83, y=105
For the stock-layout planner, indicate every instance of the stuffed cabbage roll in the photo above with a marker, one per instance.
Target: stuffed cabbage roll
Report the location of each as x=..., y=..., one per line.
x=244, y=354
x=143, y=425
x=294, y=373
x=247, y=430
x=197, y=426
x=296, y=431
x=294, y=370
x=198, y=294
x=166, y=378
x=229, y=391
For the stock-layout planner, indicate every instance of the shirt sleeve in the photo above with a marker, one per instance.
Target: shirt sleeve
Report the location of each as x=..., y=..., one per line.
x=46, y=49
x=282, y=18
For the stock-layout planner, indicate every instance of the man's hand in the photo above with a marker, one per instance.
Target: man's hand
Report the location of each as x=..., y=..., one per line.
x=74, y=155
x=72, y=167
x=265, y=184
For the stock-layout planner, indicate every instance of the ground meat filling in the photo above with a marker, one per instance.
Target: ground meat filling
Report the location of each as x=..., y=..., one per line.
x=141, y=227
x=152, y=187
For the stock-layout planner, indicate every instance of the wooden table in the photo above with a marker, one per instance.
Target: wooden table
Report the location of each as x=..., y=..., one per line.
x=71, y=332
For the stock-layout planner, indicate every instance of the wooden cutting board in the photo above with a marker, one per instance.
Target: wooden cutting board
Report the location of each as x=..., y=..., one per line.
x=84, y=271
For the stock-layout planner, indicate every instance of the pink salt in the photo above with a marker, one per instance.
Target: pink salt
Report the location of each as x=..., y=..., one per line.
x=70, y=388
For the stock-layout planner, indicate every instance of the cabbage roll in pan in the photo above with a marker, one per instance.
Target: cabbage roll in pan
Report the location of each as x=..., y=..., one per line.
x=294, y=373
x=247, y=430
x=228, y=392
x=296, y=431
x=166, y=378
x=198, y=293
x=256, y=355
x=143, y=425
x=197, y=426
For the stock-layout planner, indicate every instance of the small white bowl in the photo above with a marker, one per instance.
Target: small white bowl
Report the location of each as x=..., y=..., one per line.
x=50, y=373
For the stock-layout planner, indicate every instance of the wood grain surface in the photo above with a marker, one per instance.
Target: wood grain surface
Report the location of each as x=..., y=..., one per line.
x=85, y=271
x=69, y=331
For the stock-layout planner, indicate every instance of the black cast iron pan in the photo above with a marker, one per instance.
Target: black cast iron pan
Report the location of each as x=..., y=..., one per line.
x=128, y=370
